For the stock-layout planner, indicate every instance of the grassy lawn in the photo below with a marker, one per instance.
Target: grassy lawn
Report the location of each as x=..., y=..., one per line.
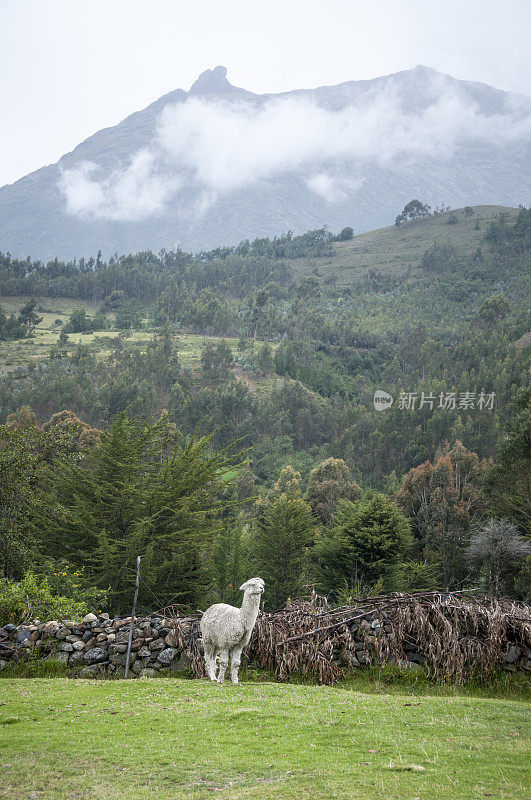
x=172, y=738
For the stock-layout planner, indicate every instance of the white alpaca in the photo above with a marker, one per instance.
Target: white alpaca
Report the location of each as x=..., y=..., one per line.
x=227, y=629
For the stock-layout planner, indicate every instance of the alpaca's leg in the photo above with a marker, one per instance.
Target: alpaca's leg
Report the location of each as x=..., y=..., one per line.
x=235, y=664
x=223, y=664
x=210, y=660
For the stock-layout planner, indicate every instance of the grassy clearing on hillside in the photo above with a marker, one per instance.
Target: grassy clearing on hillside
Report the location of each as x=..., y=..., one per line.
x=54, y=307
x=395, y=250
x=46, y=335
x=173, y=738
x=190, y=346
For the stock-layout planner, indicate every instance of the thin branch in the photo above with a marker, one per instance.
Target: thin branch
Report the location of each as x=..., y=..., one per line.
x=390, y=601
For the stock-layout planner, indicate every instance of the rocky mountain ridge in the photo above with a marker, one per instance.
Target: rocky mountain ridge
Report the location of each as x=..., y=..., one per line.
x=219, y=164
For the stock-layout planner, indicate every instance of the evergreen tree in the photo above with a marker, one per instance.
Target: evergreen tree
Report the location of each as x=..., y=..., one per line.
x=367, y=543
x=264, y=359
x=11, y=328
x=136, y=495
x=507, y=485
x=28, y=455
x=230, y=560
x=283, y=534
x=28, y=316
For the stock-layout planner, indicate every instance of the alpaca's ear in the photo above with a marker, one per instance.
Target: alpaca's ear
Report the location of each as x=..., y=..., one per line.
x=243, y=587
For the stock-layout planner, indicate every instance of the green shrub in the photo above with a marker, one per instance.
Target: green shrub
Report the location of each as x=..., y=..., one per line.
x=33, y=596
x=345, y=235
x=66, y=580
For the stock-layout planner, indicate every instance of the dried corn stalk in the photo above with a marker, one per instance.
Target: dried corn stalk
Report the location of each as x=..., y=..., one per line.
x=458, y=635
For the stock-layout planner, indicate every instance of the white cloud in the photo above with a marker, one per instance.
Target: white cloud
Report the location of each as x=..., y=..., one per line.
x=215, y=147
x=134, y=193
x=326, y=187
x=331, y=188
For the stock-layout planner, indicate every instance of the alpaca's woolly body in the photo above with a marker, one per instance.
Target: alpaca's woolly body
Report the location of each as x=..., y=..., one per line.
x=227, y=629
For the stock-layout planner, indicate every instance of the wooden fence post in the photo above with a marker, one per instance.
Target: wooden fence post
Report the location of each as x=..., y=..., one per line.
x=131, y=626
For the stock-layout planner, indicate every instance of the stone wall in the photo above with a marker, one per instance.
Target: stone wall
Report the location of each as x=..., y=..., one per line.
x=364, y=632
x=98, y=645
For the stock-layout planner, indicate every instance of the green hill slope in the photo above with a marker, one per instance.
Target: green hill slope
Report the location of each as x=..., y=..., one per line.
x=397, y=250
x=378, y=278
x=288, y=351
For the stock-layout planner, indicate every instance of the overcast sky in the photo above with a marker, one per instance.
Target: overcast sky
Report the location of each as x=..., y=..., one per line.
x=71, y=67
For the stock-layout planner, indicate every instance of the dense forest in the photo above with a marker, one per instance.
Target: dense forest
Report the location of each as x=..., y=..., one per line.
x=264, y=450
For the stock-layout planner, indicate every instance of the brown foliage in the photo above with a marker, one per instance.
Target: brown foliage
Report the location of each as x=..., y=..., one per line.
x=80, y=434
x=459, y=635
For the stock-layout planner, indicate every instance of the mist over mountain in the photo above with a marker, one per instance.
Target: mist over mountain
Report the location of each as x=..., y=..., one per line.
x=219, y=164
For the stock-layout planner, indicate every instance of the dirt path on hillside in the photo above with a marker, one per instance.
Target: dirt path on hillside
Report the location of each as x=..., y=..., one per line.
x=245, y=377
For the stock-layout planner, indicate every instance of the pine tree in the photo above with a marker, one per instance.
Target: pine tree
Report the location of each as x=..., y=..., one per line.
x=28, y=317
x=283, y=534
x=230, y=561
x=138, y=495
x=368, y=541
x=28, y=455
x=507, y=485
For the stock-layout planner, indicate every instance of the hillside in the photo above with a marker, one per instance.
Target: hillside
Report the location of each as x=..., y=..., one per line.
x=219, y=164
x=398, y=250
x=252, y=342
x=259, y=350
x=392, y=253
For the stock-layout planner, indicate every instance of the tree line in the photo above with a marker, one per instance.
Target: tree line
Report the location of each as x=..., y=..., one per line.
x=362, y=500
x=79, y=504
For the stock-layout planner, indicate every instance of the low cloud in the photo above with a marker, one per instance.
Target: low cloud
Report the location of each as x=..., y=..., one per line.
x=326, y=187
x=213, y=148
x=135, y=193
x=331, y=188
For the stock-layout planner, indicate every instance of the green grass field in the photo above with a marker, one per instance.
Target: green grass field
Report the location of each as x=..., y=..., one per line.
x=46, y=335
x=176, y=739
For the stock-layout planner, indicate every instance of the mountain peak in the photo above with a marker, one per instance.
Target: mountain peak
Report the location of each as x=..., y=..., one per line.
x=144, y=188
x=211, y=81
x=419, y=68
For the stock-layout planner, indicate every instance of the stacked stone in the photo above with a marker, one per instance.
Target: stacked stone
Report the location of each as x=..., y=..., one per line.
x=99, y=644
x=364, y=630
x=362, y=651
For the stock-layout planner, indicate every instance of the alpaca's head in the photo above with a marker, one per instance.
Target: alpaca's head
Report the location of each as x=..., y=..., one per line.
x=254, y=587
